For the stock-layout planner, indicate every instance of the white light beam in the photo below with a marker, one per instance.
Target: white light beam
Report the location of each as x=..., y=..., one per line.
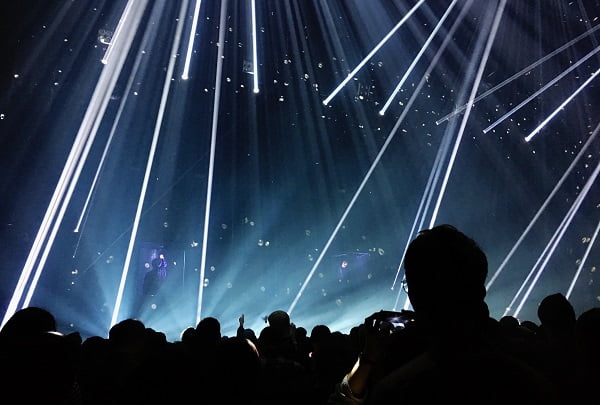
x=366, y=59
x=190, y=48
x=583, y=261
x=561, y=106
x=155, y=136
x=117, y=33
x=463, y=124
x=544, y=205
x=254, y=50
x=540, y=91
x=211, y=164
x=519, y=73
x=559, y=234
x=417, y=58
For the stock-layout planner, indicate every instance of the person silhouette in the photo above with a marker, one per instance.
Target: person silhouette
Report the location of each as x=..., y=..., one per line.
x=155, y=276
x=463, y=359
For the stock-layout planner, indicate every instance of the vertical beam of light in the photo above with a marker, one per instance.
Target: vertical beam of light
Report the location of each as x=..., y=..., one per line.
x=544, y=205
x=547, y=86
x=211, y=164
x=463, y=124
x=384, y=147
x=561, y=106
x=433, y=176
x=559, y=234
x=583, y=260
x=149, y=164
x=117, y=33
x=373, y=51
x=94, y=112
x=417, y=58
x=190, y=48
x=254, y=51
x=520, y=73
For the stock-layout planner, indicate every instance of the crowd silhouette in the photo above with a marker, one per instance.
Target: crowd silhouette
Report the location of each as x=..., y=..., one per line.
x=448, y=349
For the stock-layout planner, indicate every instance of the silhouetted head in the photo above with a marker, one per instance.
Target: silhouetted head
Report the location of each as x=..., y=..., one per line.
x=208, y=330
x=319, y=334
x=445, y=270
x=556, y=313
x=279, y=319
x=127, y=334
x=29, y=321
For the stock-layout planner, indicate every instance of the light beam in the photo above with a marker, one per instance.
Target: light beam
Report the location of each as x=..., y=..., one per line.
x=561, y=106
x=373, y=51
x=463, y=124
x=211, y=164
x=254, y=50
x=540, y=91
x=417, y=58
x=557, y=237
x=190, y=48
x=544, y=205
x=519, y=73
x=149, y=163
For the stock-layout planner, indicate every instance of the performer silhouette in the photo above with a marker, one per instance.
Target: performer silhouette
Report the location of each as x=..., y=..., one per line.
x=156, y=276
